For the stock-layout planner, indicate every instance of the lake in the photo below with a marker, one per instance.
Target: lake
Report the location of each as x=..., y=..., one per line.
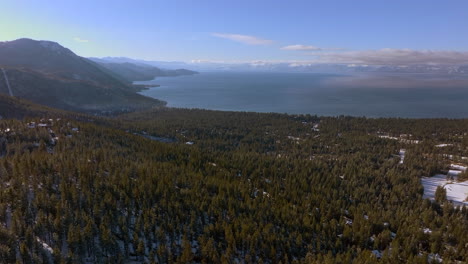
x=412, y=96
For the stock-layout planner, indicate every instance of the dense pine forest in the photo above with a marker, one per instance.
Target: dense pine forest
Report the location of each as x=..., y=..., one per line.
x=195, y=186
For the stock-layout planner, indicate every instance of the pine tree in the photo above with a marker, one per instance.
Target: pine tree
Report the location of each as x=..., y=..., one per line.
x=440, y=195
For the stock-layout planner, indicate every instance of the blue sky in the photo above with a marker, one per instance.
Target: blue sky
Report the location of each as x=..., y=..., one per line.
x=241, y=30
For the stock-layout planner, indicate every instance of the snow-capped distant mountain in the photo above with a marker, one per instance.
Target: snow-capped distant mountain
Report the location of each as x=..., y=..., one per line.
x=199, y=65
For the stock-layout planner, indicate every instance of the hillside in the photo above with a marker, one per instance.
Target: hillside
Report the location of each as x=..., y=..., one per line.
x=254, y=187
x=47, y=73
x=13, y=107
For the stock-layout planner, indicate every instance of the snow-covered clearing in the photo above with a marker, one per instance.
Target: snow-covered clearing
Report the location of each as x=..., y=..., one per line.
x=457, y=192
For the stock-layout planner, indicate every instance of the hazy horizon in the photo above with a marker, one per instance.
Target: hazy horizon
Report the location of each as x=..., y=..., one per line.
x=363, y=33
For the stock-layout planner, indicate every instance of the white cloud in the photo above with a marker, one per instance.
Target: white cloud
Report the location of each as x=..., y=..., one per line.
x=301, y=47
x=396, y=57
x=77, y=39
x=245, y=39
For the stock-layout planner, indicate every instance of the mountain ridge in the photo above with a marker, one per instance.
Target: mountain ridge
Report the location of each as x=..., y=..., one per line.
x=299, y=66
x=47, y=73
x=131, y=72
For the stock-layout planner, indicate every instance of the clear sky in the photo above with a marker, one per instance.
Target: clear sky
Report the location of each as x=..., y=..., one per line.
x=240, y=30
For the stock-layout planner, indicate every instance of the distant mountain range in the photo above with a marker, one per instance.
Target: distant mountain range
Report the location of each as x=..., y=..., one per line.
x=299, y=66
x=357, y=68
x=172, y=65
x=131, y=72
x=44, y=72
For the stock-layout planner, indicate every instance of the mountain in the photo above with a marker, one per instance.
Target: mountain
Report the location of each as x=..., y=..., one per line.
x=47, y=73
x=171, y=65
x=131, y=72
x=298, y=66
x=444, y=69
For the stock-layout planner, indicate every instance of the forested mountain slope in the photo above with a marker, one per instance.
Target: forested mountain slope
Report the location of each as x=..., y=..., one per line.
x=47, y=73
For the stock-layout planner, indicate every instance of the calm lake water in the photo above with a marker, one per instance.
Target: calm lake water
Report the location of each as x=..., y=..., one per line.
x=320, y=94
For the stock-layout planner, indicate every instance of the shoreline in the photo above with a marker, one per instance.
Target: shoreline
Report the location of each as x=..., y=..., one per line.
x=142, y=87
x=194, y=98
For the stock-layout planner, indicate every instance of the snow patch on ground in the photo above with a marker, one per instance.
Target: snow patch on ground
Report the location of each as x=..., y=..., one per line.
x=402, y=155
x=401, y=139
x=458, y=167
x=49, y=251
x=294, y=138
x=427, y=231
x=453, y=172
x=434, y=258
x=348, y=221
x=443, y=145
x=377, y=253
x=457, y=192
x=45, y=246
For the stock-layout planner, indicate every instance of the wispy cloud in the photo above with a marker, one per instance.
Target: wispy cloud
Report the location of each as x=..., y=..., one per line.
x=77, y=39
x=301, y=47
x=245, y=39
x=396, y=57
